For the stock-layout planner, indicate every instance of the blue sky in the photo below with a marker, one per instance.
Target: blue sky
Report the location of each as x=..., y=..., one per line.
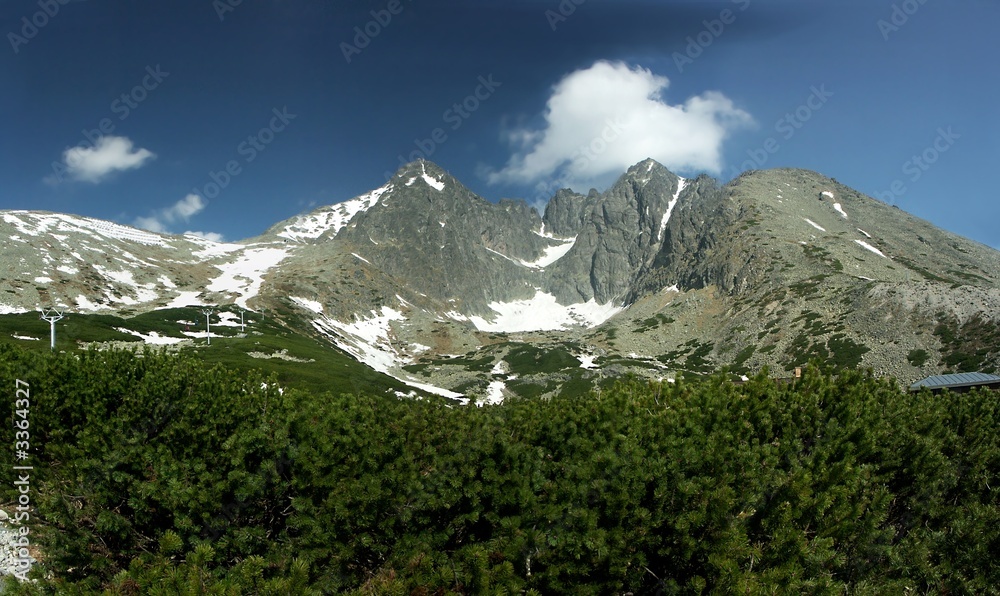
x=135, y=111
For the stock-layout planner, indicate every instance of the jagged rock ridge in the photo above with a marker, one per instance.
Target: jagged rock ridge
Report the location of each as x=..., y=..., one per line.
x=665, y=274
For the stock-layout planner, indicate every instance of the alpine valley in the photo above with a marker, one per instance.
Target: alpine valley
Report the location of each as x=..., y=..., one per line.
x=437, y=290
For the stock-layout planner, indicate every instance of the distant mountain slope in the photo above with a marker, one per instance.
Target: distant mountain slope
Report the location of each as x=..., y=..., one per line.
x=89, y=265
x=659, y=275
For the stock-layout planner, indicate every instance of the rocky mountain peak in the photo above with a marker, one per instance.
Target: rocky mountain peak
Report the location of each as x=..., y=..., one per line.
x=786, y=262
x=424, y=173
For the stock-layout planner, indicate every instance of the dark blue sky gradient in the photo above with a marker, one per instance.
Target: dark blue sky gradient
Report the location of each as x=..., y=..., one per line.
x=353, y=120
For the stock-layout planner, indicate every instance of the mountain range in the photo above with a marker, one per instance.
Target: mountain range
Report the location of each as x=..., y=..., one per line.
x=658, y=276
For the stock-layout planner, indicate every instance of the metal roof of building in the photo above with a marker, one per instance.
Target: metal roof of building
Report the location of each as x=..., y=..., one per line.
x=959, y=380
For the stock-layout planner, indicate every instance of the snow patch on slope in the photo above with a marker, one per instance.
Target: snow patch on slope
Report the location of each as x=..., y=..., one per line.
x=152, y=337
x=543, y=313
x=50, y=223
x=212, y=249
x=331, y=219
x=369, y=341
x=551, y=255
x=366, y=339
x=184, y=299
x=494, y=393
x=433, y=182
x=681, y=183
x=432, y=389
x=871, y=248
x=549, y=235
x=814, y=224
x=84, y=304
x=312, y=305
x=245, y=275
x=430, y=180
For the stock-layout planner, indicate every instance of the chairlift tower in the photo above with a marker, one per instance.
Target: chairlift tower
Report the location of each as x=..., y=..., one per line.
x=52, y=316
x=208, y=323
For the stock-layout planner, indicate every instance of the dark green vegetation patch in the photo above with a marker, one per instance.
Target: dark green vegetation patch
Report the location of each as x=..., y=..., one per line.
x=316, y=366
x=161, y=474
x=918, y=357
x=968, y=347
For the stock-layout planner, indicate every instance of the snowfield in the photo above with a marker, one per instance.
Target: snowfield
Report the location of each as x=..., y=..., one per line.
x=430, y=180
x=185, y=299
x=587, y=361
x=312, y=305
x=867, y=246
x=331, y=219
x=543, y=313
x=153, y=337
x=245, y=275
x=549, y=256
x=681, y=184
x=369, y=341
x=494, y=393
x=815, y=225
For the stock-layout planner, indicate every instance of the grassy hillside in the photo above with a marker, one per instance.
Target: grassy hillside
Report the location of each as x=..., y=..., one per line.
x=266, y=346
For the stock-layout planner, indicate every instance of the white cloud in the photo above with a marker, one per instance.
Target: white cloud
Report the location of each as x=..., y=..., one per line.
x=186, y=207
x=152, y=224
x=181, y=211
x=213, y=236
x=602, y=119
x=110, y=154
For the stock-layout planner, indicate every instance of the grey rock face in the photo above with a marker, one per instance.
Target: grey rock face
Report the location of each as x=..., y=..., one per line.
x=776, y=265
x=444, y=241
